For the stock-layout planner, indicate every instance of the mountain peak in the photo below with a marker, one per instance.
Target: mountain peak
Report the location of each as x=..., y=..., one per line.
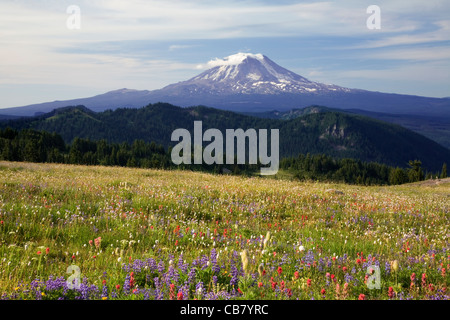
x=248, y=73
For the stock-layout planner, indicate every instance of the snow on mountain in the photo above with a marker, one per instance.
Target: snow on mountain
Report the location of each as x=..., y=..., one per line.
x=249, y=82
x=247, y=73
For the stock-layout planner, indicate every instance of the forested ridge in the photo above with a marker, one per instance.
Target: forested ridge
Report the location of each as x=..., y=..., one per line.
x=40, y=146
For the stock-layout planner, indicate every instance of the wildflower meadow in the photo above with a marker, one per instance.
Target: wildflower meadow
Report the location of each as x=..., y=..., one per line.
x=108, y=233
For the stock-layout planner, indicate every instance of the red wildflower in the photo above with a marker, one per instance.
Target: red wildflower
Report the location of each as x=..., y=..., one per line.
x=308, y=282
x=240, y=291
x=280, y=270
x=47, y=250
x=443, y=272
x=413, y=277
x=358, y=261
x=118, y=286
x=97, y=242
x=171, y=291
x=180, y=296
x=282, y=285
x=274, y=284
x=391, y=292
x=132, y=281
x=424, y=279
x=260, y=284
x=289, y=292
x=39, y=252
x=344, y=269
x=296, y=275
x=362, y=297
x=323, y=292
x=104, y=282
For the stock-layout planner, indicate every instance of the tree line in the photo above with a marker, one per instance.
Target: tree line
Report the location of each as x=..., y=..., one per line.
x=324, y=168
x=41, y=146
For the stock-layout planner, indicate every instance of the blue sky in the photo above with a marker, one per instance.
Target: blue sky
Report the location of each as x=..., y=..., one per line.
x=141, y=44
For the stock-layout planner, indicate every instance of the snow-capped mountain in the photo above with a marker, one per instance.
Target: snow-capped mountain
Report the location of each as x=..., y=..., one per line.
x=247, y=73
x=249, y=82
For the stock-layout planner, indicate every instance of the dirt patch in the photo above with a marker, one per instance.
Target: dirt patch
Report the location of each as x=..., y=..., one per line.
x=433, y=182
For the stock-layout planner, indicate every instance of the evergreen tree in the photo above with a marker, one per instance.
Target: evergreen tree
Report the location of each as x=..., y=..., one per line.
x=444, y=171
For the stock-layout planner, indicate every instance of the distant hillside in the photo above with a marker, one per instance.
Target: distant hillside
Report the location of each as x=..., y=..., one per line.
x=337, y=134
x=433, y=127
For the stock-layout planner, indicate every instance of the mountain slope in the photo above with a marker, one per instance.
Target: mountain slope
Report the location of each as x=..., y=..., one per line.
x=432, y=127
x=334, y=133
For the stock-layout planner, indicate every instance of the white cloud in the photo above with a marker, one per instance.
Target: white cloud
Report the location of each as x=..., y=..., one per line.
x=233, y=59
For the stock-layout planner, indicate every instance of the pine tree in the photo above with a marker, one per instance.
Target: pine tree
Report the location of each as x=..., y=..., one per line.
x=444, y=171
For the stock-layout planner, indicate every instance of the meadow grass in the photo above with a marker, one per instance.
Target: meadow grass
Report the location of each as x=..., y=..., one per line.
x=153, y=234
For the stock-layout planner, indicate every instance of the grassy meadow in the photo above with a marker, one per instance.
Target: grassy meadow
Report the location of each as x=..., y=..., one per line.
x=91, y=232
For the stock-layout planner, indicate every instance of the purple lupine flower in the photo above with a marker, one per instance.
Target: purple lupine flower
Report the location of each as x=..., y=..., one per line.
x=199, y=289
x=126, y=285
x=183, y=266
x=210, y=296
x=161, y=267
x=204, y=262
x=176, y=276
x=309, y=257
x=151, y=264
x=158, y=289
x=185, y=291
x=387, y=267
x=180, y=261
x=196, y=262
x=213, y=259
x=169, y=275
x=284, y=259
x=104, y=291
x=191, y=275
x=84, y=290
x=234, y=275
